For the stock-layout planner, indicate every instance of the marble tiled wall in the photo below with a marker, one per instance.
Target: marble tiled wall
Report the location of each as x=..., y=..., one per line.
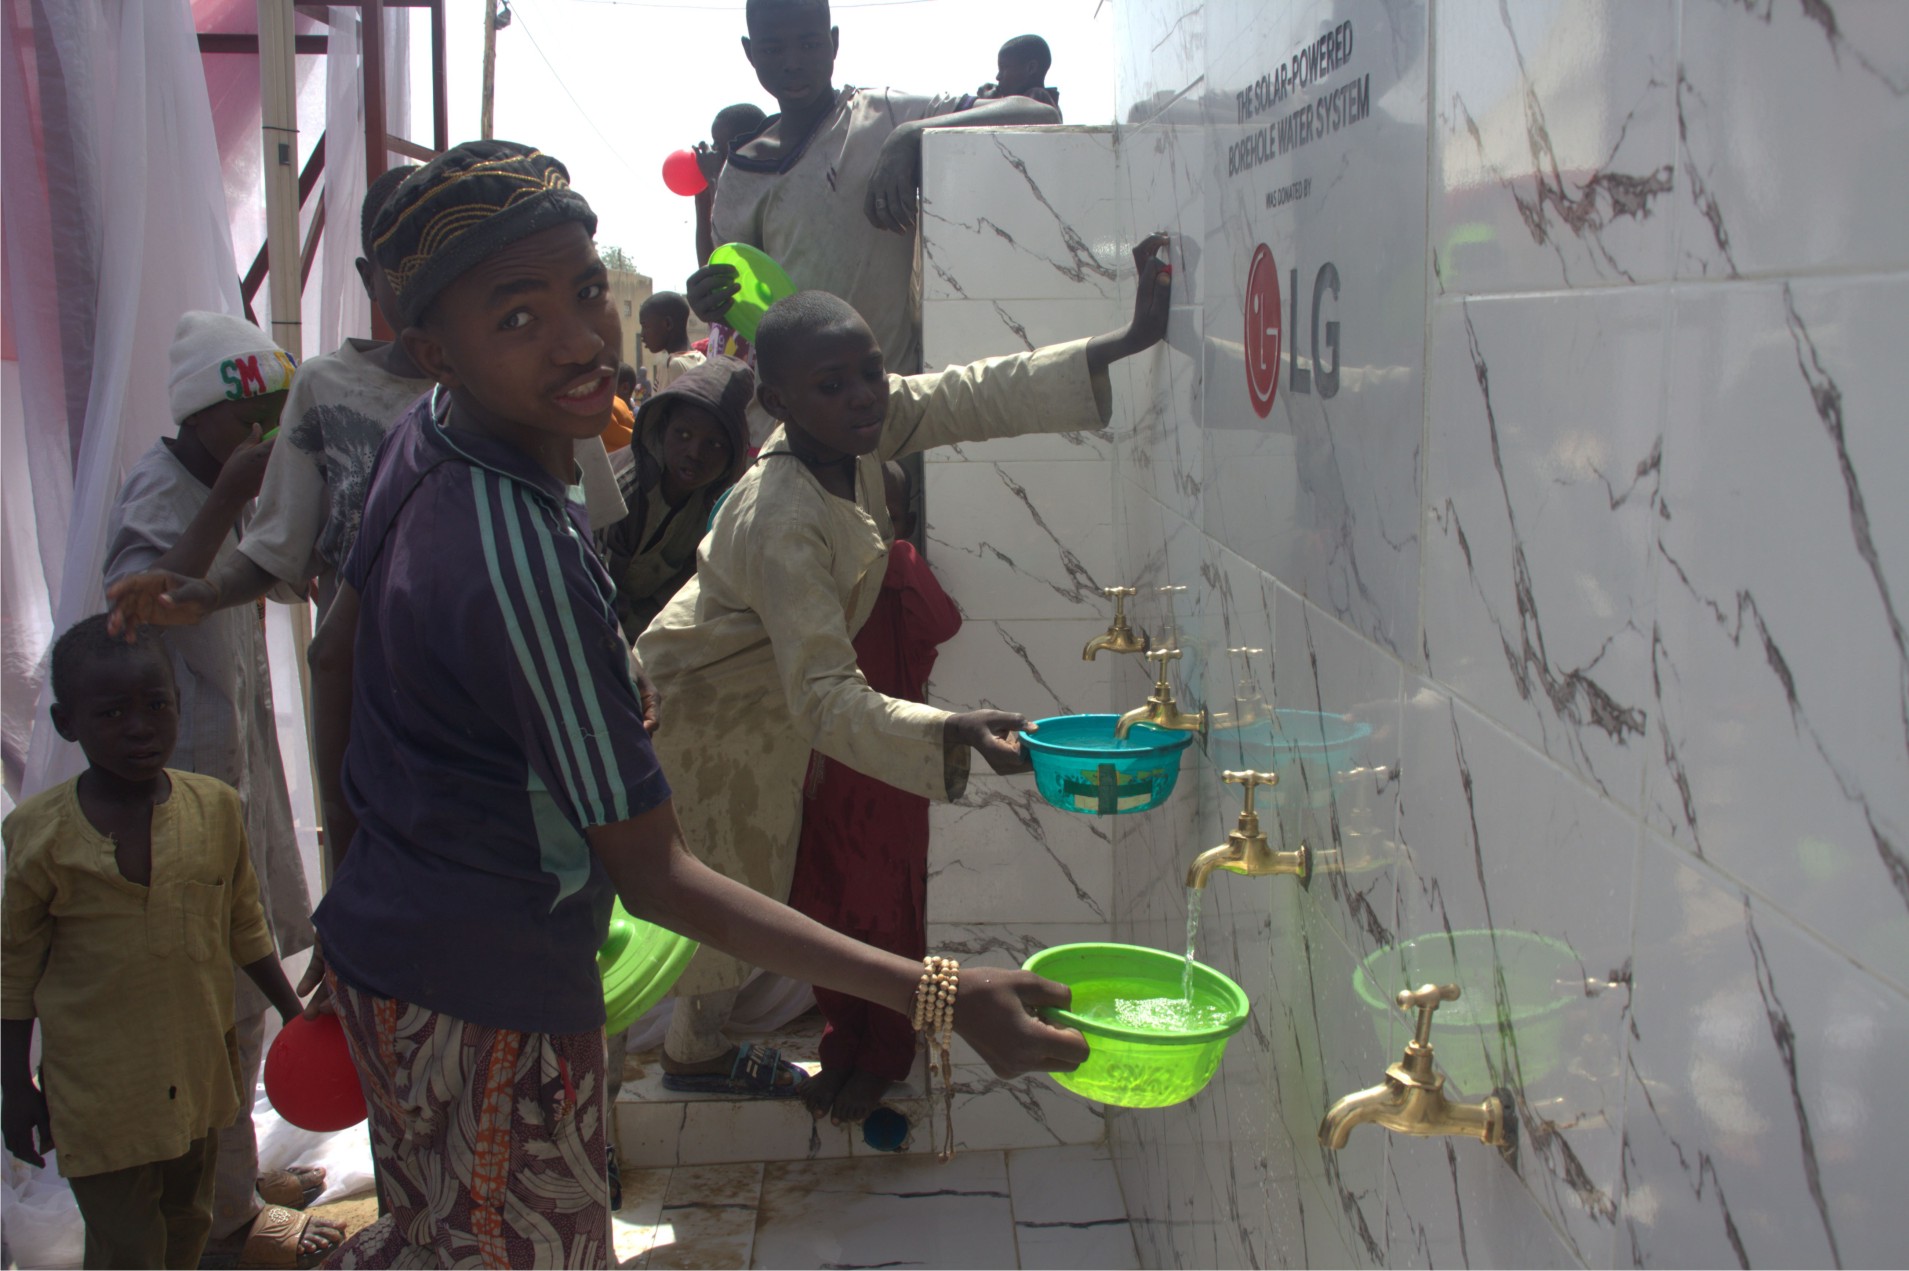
x=1596, y=550
x=1019, y=250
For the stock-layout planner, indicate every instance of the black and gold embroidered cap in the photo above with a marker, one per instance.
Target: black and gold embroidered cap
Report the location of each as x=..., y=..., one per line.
x=470, y=201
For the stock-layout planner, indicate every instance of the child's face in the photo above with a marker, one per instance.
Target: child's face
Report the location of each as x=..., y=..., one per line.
x=527, y=339
x=126, y=715
x=223, y=428
x=658, y=330
x=793, y=49
x=695, y=448
x=1012, y=75
x=838, y=394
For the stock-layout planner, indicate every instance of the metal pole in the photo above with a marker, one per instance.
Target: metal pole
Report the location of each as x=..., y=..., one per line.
x=490, y=67
x=278, y=100
x=440, y=103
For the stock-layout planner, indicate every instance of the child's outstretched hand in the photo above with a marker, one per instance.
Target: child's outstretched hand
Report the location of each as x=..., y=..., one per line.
x=994, y=1013
x=25, y=1116
x=991, y=733
x=1152, y=299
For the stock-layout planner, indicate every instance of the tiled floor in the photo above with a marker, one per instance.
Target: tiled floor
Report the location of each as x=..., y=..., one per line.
x=1033, y=1207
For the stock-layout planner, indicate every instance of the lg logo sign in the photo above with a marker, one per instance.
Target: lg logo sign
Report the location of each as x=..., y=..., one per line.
x=1266, y=333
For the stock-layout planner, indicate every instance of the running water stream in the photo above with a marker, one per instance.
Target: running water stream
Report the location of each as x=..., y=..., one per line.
x=1194, y=895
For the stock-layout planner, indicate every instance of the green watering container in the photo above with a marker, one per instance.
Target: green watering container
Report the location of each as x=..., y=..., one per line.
x=1130, y=1067
x=1542, y=977
x=1080, y=766
x=639, y=962
x=760, y=283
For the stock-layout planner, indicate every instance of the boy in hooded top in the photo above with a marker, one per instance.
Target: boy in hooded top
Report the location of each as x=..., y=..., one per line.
x=761, y=640
x=497, y=760
x=691, y=444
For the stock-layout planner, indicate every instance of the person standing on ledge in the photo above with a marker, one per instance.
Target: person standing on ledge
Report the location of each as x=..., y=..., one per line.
x=830, y=186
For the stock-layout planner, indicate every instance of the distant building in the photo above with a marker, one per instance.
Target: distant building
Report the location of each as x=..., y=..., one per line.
x=628, y=290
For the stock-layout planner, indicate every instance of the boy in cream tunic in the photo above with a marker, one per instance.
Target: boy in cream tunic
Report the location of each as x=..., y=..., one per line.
x=754, y=657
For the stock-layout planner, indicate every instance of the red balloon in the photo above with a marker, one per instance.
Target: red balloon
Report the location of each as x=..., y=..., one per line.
x=682, y=174
x=309, y=1076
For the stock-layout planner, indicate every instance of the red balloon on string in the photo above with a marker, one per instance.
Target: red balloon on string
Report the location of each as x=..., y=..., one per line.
x=309, y=1076
x=682, y=174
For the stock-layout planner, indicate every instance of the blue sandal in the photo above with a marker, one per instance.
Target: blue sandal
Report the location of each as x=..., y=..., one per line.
x=759, y=1072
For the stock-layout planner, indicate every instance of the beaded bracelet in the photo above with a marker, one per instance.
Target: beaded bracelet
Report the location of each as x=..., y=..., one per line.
x=934, y=1020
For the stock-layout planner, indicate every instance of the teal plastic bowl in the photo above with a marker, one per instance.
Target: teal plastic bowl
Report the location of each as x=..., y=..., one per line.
x=639, y=962
x=1080, y=766
x=1308, y=750
x=1542, y=977
x=1132, y=1067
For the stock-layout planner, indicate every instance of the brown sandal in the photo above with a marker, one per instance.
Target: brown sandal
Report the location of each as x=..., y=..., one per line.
x=276, y=1238
x=294, y=1188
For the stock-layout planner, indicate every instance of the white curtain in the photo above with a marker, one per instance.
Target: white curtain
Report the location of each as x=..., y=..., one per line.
x=115, y=223
x=344, y=309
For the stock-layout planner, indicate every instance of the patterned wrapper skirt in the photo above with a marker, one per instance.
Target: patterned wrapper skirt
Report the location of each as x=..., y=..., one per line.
x=490, y=1143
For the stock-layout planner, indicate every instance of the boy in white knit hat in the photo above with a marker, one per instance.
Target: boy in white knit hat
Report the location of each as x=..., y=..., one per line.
x=184, y=507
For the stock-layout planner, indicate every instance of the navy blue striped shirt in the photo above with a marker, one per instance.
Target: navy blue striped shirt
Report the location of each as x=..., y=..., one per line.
x=493, y=721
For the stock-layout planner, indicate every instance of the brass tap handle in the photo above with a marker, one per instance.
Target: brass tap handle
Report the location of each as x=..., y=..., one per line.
x=1163, y=656
x=1250, y=780
x=1244, y=652
x=1425, y=1000
x=1118, y=593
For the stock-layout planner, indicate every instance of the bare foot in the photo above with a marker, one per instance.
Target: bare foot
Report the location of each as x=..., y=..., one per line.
x=860, y=1095
x=819, y=1091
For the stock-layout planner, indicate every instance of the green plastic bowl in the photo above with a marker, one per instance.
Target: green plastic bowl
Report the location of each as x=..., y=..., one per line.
x=1129, y=1067
x=760, y=283
x=1542, y=976
x=639, y=962
x=1080, y=766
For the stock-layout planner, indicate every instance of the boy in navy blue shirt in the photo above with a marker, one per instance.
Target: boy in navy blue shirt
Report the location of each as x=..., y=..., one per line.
x=498, y=784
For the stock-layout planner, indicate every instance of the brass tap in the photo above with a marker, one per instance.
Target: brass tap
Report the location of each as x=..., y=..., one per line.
x=1246, y=850
x=1252, y=705
x=1412, y=1099
x=1161, y=710
x=1120, y=638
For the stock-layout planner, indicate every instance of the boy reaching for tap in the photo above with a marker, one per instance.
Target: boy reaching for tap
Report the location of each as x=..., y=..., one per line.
x=761, y=640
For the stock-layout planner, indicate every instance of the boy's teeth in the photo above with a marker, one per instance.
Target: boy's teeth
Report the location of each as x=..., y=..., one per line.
x=584, y=390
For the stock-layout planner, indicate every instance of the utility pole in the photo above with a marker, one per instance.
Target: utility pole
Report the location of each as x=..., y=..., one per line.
x=490, y=67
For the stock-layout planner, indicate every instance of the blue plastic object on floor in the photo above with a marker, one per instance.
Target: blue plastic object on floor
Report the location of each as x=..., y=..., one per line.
x=1080, y=766
x=885, y=1130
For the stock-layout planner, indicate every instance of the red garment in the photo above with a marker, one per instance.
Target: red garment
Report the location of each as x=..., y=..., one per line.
x=862, y=868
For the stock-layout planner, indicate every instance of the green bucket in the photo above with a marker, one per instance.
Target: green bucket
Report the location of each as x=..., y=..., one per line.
x=639, y=962
x=1542, y=977
x=760, y=282
x=1131, y=1067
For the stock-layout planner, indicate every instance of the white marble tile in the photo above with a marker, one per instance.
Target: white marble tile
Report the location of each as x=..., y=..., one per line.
x=633, y=1228
x=708, y=1217
x=1004, y=855
x=1543, y=957
x=1018, y=215
x=1763, y=1128
x=1808, y=178
x=1313, y=442
x=957, y=332
x=1554, y=146
x=1021, y=540
x=1545, y=452
x=1068, y=1211
x=1780, y=661
x=1029, y=665
x=887, y=1211
x=1161, y=53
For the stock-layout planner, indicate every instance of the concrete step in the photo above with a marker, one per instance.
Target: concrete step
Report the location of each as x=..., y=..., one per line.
x=657, y=1127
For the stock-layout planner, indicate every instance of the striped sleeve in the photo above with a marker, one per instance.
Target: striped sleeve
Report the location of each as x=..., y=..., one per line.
x=571, y=699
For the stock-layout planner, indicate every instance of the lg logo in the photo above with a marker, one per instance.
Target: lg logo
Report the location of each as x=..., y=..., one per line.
x=1266, y=327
